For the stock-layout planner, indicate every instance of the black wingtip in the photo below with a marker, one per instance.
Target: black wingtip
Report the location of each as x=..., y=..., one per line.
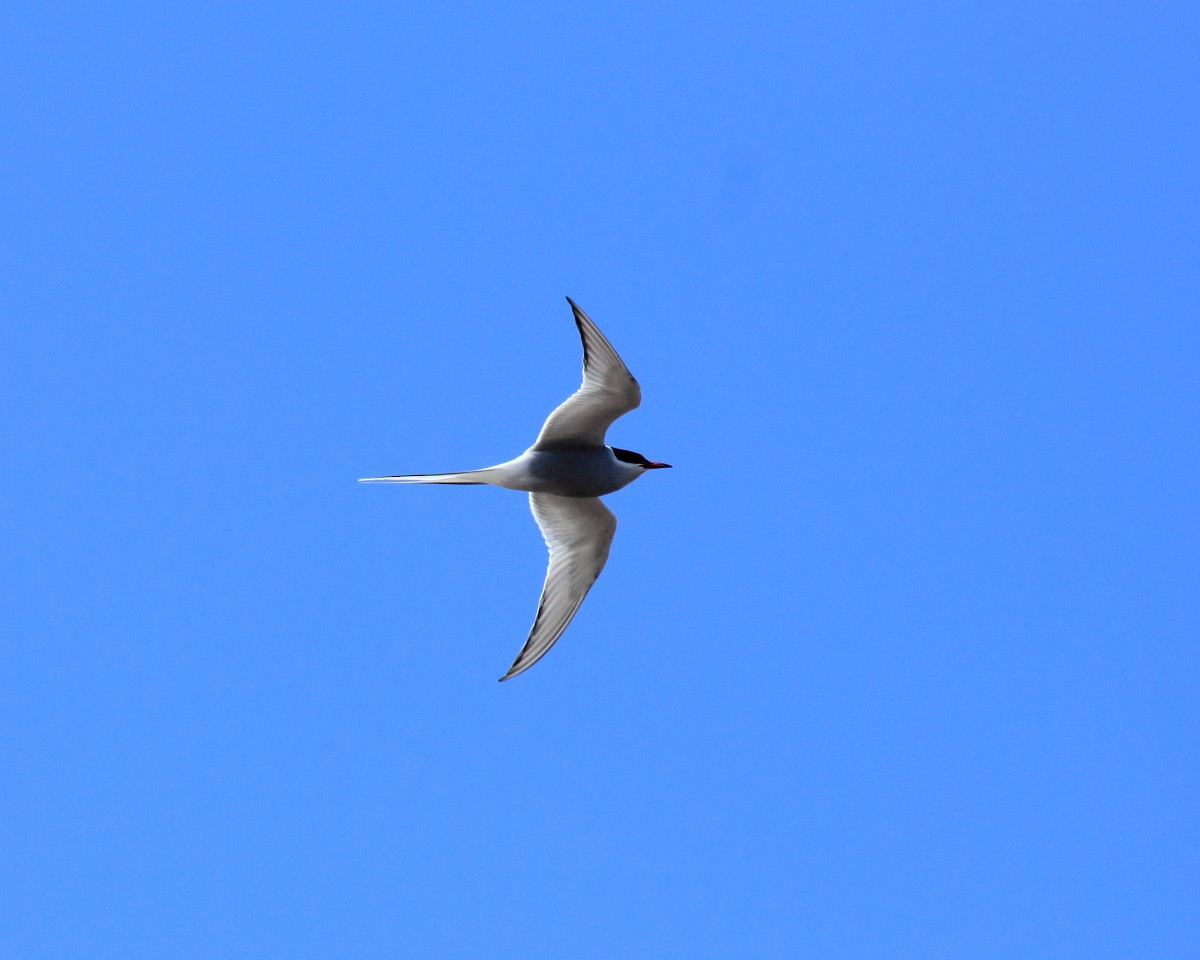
x=578, y=315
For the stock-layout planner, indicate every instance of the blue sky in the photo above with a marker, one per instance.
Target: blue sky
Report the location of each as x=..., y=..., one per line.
x=900, y=660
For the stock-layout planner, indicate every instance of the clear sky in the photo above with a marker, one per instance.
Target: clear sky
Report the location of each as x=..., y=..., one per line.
x=900, y=660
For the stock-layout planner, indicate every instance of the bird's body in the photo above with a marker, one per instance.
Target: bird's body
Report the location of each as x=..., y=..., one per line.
x=565, y=473
x=579, y=472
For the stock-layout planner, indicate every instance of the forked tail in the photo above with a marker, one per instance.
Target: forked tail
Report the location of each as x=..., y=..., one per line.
x=470, y=476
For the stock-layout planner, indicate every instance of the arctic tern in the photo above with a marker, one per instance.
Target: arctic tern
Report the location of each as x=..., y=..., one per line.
x=565, y=472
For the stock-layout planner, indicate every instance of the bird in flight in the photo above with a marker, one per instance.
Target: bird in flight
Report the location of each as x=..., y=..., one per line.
x=566, y=472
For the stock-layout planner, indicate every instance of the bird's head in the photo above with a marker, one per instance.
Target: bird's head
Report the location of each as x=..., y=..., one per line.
x=628, y=456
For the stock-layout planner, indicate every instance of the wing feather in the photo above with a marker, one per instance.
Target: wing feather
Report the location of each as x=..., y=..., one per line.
x=608, y=391
x=578, y=532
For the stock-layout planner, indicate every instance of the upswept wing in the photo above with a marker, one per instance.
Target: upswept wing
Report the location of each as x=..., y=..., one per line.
x=608, y=391
x=578, y=532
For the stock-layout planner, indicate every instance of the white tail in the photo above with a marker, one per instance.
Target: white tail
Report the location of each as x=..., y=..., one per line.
x=510, y=474
x=470, y=476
